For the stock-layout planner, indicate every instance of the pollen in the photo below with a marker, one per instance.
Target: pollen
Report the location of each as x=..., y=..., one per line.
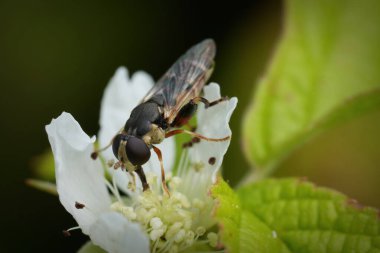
x=173, y=223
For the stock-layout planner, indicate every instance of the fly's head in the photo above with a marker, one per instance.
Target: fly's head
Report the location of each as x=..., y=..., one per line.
x=130, y=150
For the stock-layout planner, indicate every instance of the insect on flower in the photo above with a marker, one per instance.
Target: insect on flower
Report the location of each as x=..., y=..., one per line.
x=167, y=107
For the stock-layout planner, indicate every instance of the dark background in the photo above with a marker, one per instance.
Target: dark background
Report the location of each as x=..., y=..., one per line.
x=58, y=56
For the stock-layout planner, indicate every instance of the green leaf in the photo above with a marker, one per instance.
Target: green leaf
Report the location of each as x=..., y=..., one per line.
x=311, y=219
x=325, y=71
x=89, y=247
x=241, y=231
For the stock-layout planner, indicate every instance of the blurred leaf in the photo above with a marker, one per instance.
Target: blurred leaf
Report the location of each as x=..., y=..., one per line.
x=241, y=230
x=307, y=218
x=325, y=71
x=43, y=186
x=290, y=215
x=43, y=166
x=89, y=247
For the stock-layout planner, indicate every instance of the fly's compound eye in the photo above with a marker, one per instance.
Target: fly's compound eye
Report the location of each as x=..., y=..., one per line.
x=137, y=151
x=116, y=143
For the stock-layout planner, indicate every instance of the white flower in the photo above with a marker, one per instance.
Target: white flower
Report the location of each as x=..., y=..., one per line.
x=146, y=221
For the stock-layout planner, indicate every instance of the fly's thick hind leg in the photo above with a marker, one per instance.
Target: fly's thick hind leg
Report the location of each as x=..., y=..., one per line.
x=140, y=172
x=159, y=155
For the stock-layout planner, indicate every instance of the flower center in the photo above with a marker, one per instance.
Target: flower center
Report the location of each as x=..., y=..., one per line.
x=173, y=223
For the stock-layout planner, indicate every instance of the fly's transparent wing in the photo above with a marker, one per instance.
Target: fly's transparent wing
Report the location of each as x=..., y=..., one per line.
x=185, y=79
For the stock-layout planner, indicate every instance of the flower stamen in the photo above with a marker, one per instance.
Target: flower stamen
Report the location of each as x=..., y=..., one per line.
x=172, y=223
x=113, y=188
x=114, y=191
x=67, y=233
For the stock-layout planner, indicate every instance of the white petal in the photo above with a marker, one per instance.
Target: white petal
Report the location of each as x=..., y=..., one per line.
x=114, y=233
x=120, y=97
x=89, y=247
x=213, y=122
x=79, y=178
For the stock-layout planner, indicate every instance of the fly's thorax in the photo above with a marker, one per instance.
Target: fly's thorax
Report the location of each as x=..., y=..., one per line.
x=142, y=117
x=155, y=136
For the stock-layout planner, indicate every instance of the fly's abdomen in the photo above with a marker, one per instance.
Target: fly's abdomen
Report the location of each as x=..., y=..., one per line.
x=184, y=115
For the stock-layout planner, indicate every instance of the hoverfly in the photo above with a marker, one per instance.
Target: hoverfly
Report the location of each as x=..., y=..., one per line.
x=169, y=105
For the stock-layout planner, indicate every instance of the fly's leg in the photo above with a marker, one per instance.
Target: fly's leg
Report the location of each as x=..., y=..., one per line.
x=207, y=103
x=185, y=114
x=132, y=182
x=189, y=109
x=159, y=155
x=140, y=172
x=199, y=136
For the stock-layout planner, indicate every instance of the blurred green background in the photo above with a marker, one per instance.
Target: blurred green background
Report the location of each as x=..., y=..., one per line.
x=58, y=56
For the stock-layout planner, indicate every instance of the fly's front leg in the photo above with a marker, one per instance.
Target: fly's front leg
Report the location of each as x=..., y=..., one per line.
x=140, y=172
x=132, y=182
